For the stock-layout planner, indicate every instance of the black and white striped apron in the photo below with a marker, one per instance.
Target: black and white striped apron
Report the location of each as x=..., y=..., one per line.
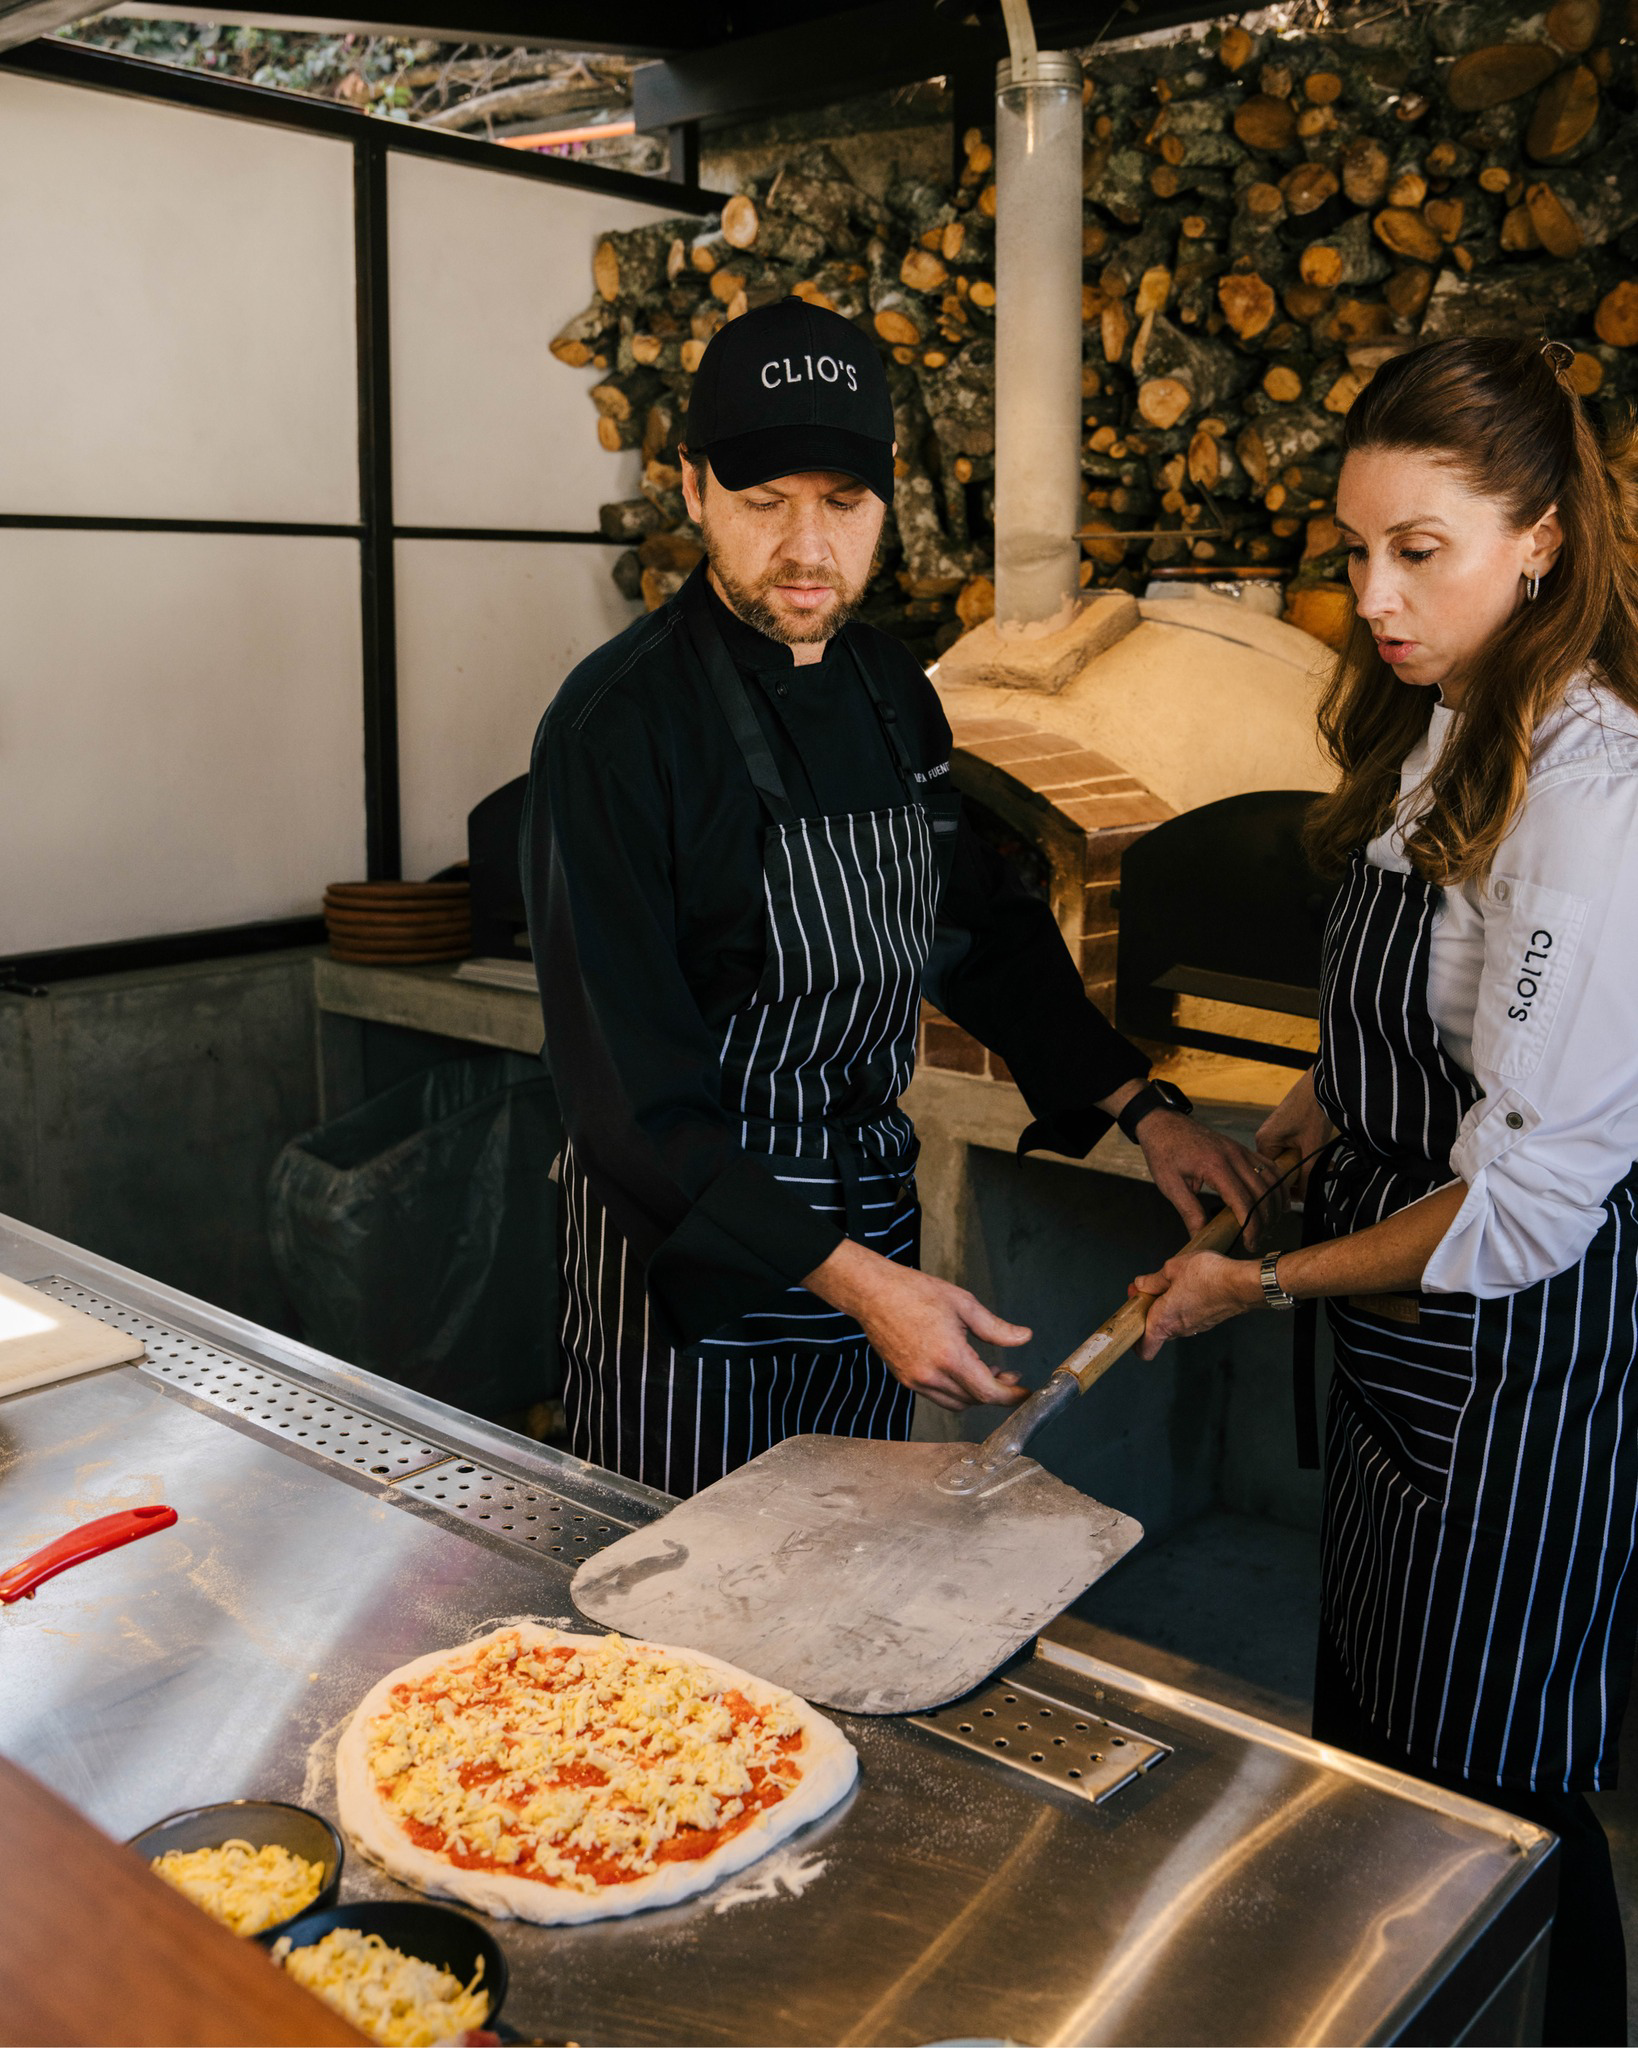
x=1481, y=1457
x=811, y=1071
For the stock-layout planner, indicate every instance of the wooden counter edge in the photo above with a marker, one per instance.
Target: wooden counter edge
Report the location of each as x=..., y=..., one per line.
x=96, y=1950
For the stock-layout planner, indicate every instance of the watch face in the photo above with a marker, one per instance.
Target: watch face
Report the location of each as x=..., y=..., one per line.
x=1173, y=1096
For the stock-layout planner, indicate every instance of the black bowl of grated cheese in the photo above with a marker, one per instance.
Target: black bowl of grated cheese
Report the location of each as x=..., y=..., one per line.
x=468, y=1956
x=225, y=1857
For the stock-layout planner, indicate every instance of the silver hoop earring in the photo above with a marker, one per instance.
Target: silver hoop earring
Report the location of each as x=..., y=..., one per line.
x=1531, y=585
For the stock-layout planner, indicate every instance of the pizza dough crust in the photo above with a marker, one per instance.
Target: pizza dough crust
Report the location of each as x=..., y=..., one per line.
x=829, y=1767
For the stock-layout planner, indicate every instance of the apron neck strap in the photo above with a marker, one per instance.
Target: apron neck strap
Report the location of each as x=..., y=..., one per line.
x=729, y=689
x=889, y=721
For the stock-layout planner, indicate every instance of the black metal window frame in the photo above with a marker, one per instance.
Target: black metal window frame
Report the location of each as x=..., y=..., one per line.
x=373, y=141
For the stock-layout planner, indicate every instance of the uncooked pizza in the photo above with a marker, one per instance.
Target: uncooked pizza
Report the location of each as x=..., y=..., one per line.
x=546, y=1776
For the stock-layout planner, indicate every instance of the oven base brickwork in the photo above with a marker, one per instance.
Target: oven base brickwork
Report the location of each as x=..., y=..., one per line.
x=1082, y=811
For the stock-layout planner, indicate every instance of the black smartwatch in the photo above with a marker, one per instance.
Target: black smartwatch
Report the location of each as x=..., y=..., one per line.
x=1152, y=1095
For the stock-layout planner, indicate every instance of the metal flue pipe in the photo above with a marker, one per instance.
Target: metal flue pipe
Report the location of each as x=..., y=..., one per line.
x=1038, y=329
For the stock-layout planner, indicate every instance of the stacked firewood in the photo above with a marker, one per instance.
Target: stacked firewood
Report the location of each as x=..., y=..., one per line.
x=913, y=269
x=1269, y=218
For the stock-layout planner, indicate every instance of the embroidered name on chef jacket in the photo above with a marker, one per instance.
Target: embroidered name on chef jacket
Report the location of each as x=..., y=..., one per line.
x=1531, y=936
x=805, y=369
x=1532, y=968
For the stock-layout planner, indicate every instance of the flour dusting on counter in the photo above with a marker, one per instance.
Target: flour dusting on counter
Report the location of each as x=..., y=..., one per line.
x=318, y=1783
x=495, y=1621
x=787, y=1872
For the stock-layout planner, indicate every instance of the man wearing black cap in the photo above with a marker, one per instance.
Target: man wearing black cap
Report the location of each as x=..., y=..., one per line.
x=745, y=864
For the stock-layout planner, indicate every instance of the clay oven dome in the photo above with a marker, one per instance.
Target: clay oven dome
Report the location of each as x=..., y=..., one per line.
x=1195, y=697
x=1078, y=741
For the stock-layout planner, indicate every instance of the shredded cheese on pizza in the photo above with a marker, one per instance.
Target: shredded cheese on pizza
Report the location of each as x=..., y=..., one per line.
x=396, y=1999
x=246, y=1889
x=577, y=1767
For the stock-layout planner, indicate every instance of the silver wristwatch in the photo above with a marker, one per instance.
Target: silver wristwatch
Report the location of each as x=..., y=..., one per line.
x=1273, y=1293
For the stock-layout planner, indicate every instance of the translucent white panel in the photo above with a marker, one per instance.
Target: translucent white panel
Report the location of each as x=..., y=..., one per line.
x=179, y=732
x=486, y=633
x=176, y=317
x=489, y=428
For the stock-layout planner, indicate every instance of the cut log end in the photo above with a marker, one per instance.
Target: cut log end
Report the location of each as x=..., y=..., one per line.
x=1307, y=188
x=976, y=603
x=1498, y=73
x=606, y=271
x=1163, y=401
x=1564, y=115
x=1573, y=24
x=1409, y=290
x=1616, y=321
x=1247, y=301
x=740, y=221
x=1324, y=609
x=1265, y=123
x=1407, y=234
x=1235, y=48
x=897, y=328
x=1585, y=376
x=1205, y=459
x=1365, y=172
x=1555, y=226
x=922, y=271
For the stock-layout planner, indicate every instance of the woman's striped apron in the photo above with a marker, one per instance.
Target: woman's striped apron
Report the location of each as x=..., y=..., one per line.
x=1481, y=1457
x=812, y=1069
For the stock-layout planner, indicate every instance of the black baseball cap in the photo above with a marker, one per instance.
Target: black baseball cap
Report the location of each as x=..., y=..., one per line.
x=792, y=387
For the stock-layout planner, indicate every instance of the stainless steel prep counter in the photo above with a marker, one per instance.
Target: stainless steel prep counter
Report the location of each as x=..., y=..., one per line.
x=1249, y=1887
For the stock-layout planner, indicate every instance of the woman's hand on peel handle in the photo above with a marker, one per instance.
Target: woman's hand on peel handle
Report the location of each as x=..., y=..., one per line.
x=1193, y=1292
x=1297, y=1125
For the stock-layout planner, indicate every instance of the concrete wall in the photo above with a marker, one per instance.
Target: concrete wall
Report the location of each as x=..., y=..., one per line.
x=1054, y=1247
x=1208, y=1424
x=1257, y=1467
x=140, y=1113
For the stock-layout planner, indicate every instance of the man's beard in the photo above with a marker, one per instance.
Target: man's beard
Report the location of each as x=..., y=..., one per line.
x=750, y=601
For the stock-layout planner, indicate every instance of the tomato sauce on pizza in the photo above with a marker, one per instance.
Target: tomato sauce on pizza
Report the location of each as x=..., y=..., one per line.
x=579, y=1767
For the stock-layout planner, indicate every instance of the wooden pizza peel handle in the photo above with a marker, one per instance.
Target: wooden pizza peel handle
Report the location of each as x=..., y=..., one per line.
x=1112, y=1339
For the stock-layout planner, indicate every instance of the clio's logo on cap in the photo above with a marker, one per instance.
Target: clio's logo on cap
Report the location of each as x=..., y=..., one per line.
x=819, y=370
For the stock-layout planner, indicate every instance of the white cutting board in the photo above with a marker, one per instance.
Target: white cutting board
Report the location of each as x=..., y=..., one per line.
x=43, y=1340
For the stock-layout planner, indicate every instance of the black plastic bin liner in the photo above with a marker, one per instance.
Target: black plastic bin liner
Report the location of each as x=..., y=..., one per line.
x=416, y=1235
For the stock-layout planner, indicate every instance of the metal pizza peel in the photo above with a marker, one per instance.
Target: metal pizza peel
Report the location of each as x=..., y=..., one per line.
x=881, y=1578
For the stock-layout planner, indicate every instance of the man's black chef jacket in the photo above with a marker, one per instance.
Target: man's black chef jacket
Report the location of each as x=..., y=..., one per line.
x=642, y=865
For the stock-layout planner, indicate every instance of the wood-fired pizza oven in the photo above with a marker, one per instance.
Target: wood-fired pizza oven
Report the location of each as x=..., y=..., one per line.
x=1077, y=743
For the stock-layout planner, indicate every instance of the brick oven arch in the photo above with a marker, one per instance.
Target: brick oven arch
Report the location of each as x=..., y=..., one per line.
x=1081, y=811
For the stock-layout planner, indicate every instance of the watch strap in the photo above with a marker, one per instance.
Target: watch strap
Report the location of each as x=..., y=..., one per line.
x=1273, y=1293
x=1150, y=1097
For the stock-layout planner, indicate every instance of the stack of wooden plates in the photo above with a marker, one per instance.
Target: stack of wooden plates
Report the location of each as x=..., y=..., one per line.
x=398, y=924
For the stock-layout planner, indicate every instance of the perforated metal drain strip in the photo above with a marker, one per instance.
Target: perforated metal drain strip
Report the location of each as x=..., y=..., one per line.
x=1077, y=1751
x=509, y=1508
x=551, y=1525
x=283, y=1407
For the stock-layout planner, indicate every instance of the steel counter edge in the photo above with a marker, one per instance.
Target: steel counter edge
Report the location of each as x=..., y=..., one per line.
x=1252, y=1886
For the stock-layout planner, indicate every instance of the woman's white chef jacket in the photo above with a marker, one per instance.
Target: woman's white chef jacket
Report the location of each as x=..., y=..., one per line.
x=1533, y=986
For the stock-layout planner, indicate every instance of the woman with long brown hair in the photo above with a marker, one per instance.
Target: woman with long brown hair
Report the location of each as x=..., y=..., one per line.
x=1472, y=1211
